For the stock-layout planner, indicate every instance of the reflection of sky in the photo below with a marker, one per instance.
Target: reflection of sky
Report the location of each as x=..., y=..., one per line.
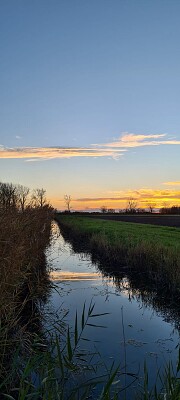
x=147, y=335
x=71, y=276
x=63, y=260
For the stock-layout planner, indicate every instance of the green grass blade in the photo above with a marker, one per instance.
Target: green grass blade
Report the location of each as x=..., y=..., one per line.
x=59, y=356
x=91, y=308
x=83, y=316
x=97, y=326
x=76, y=331
x=69, y=348
x=109, y=383
x=98, y=315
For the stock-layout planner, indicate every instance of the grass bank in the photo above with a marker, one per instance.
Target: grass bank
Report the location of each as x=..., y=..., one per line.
x=151, y=250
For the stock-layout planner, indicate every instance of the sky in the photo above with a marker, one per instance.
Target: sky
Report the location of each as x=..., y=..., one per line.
x=90, y=100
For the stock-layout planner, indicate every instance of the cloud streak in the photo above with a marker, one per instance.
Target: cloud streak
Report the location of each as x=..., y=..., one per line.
x=175, y=183
x=46, y=153
x=130, y=140
x=112, y=150
x=142, y=196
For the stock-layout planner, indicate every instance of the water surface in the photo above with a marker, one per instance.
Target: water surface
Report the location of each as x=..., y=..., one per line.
x=134, y=330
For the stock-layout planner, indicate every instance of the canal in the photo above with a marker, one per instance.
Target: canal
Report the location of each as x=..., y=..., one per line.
x=135, y=329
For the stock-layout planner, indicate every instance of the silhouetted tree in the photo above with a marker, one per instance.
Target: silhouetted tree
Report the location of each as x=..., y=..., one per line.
x=175, y=210
x=67, y=199
x=8, y=196
x=151, y=207
x=39, y=198
x=131, y=206
x=22, y=193
x=103, y=209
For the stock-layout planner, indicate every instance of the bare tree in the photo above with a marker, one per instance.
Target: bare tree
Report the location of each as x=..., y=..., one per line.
x=38, y=197
x=131, y=206
x=151, y=207
x=22, y=193
x=111, y=210
x=67, y=199
x=103, y=209
x=8, y=196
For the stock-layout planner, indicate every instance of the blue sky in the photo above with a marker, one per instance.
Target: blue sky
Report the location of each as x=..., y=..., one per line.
x=75, y=74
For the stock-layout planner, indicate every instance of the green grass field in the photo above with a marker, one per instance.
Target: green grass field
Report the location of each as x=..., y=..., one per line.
x=148, y=248
x=123, y=231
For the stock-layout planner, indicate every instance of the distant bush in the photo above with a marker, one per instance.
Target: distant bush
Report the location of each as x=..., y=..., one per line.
x=174, y=210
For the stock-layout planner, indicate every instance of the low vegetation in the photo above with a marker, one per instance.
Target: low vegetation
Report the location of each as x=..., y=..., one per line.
x=153, y=251
x=25, y=233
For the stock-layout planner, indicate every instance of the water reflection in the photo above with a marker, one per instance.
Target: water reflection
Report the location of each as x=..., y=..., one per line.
x=140, y=288
x=71, y=276
x=140, y=325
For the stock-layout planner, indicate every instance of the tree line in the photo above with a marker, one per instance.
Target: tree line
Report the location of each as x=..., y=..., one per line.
x=20, y=197
x=170, y=210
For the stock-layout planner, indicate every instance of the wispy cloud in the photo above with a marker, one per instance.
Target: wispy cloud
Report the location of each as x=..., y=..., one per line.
x=18, y=137
x=113, y=149
x=142, y=196
x=129, y=140
x=46, y=153
x=175, y=183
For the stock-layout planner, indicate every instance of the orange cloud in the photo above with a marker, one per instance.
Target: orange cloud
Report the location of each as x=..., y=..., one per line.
x=176, y=183
x=114, y=149
x=143, y=197
x=45, y=153
x=129, y=140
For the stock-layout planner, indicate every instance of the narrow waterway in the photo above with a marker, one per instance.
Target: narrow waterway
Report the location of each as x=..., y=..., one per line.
x=135, y=329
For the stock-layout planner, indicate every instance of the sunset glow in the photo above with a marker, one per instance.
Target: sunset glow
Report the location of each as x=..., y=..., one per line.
x=143, y=197
x=90, y=102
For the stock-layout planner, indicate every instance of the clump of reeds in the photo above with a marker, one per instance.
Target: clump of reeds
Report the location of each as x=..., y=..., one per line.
x=62, y=368
x=23, y=240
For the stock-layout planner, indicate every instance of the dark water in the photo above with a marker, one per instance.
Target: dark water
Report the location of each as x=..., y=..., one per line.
x=134, y=331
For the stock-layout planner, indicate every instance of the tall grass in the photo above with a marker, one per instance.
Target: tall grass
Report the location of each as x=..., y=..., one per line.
x=23, y=277
x=57, y=367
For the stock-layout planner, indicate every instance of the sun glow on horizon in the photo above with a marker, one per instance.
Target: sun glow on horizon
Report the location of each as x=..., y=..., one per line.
x=144, y=198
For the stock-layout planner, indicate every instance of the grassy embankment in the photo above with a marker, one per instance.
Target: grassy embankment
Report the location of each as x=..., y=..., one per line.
x=23, y=278
x=152, y=250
